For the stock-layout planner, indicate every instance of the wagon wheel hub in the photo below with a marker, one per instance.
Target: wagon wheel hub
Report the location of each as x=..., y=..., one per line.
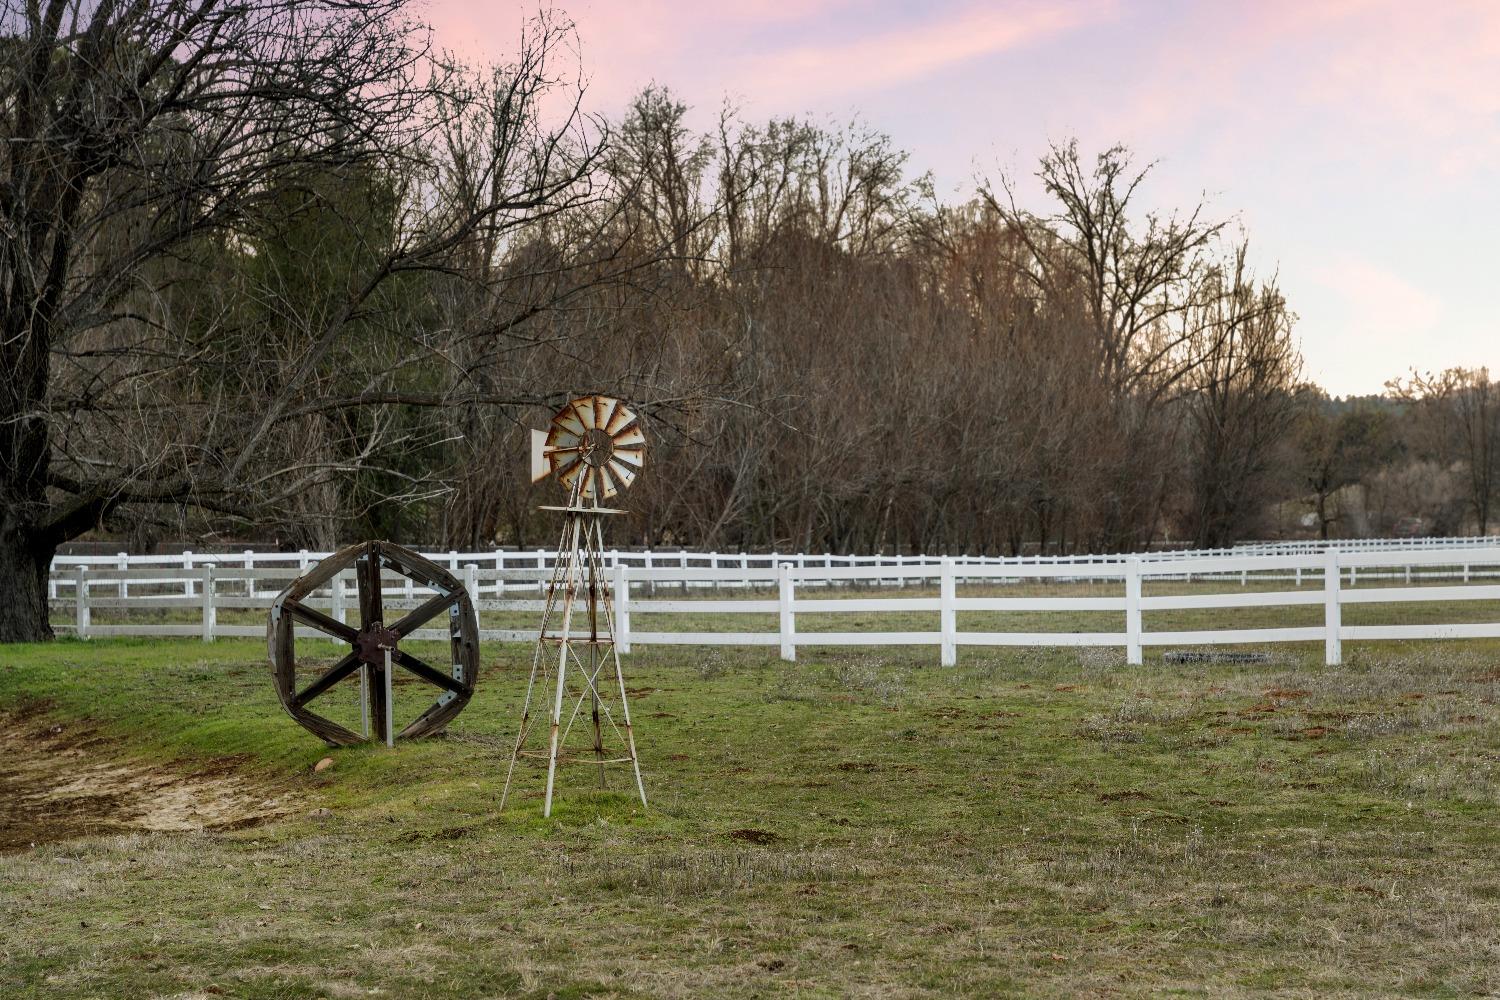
x=372, y=642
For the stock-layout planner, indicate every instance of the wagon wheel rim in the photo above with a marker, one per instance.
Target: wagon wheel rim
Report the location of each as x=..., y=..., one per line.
x=369, y=642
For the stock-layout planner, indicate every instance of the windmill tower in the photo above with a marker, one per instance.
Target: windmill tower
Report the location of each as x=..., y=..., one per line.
x=595, y=448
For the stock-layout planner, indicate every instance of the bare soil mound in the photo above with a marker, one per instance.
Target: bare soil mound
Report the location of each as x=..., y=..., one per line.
x=64, y=780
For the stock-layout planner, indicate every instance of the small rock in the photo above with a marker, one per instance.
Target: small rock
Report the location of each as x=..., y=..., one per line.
x=323, y=764
x=321, y=813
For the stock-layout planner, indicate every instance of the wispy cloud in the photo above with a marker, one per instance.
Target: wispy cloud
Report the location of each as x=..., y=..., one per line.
x=1376, y=73
x=907, y=52
x=1378, y=315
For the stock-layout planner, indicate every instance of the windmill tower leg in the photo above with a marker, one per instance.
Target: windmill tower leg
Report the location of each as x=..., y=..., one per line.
x=601, y=586
x=564, y=650
x=635, y=761
x=594, y=665
x=562, y=569
x=598, y=732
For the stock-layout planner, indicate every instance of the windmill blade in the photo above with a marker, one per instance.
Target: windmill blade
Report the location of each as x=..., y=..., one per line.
x=558, y=439
x=605, y=485
x=623, y=474
x=584, y=408
x=603, y=407
x=619, y=420
x=589, y=490
x=633, y=456
x=630, y=438
x=567, y=421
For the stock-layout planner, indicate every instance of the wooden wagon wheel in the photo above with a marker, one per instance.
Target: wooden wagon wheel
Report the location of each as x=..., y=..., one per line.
x=368, y=643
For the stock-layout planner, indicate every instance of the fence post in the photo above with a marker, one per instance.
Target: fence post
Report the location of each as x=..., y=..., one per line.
x=338, y=596
x=122, y=563
x=650, y=582
x=788, y=620
x=622, y=608
x=471, y=584
x=1333, y=619
x=187, y=563
x=210, y=613
x=250, y=574
x=1133, y=610
x=948, y=613
x=81, y=600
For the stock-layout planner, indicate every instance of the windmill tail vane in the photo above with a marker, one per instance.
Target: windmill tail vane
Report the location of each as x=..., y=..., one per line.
x=595, y=448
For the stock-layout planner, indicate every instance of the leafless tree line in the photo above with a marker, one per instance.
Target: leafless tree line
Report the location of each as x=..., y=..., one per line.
x=878, y=370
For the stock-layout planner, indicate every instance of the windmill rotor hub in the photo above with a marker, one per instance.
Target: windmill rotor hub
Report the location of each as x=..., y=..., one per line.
x=598, y=447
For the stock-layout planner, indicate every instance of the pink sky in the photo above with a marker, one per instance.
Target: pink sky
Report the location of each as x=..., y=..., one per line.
x=1357, y=141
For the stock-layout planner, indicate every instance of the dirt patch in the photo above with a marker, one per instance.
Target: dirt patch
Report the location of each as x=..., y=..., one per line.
x=753, y=836
x=60, y=781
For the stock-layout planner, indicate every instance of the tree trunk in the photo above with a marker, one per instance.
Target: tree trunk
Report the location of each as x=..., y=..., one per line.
x=24, y=565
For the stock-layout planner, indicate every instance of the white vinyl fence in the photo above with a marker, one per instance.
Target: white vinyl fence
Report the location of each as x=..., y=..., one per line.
x=786, y=586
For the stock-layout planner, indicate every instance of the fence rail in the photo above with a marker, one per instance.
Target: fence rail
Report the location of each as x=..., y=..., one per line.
x=540, y=559
x=780, y=586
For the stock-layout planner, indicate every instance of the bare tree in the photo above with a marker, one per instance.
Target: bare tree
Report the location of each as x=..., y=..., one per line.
x=1337, y=450
x=1138, y=276
x=1460, y=409
x=146, y=144
x=1242, y=401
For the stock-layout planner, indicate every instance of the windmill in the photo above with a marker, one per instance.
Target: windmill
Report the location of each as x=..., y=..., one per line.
x=595, y=448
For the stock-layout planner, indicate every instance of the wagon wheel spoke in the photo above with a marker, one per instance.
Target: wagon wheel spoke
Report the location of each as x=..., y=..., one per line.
x=422, y=613
x=429, y=674
x=318, y=620
x=328, y=679
x=371, y=608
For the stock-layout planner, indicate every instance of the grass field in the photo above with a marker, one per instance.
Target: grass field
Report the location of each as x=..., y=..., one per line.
x=859, y=823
